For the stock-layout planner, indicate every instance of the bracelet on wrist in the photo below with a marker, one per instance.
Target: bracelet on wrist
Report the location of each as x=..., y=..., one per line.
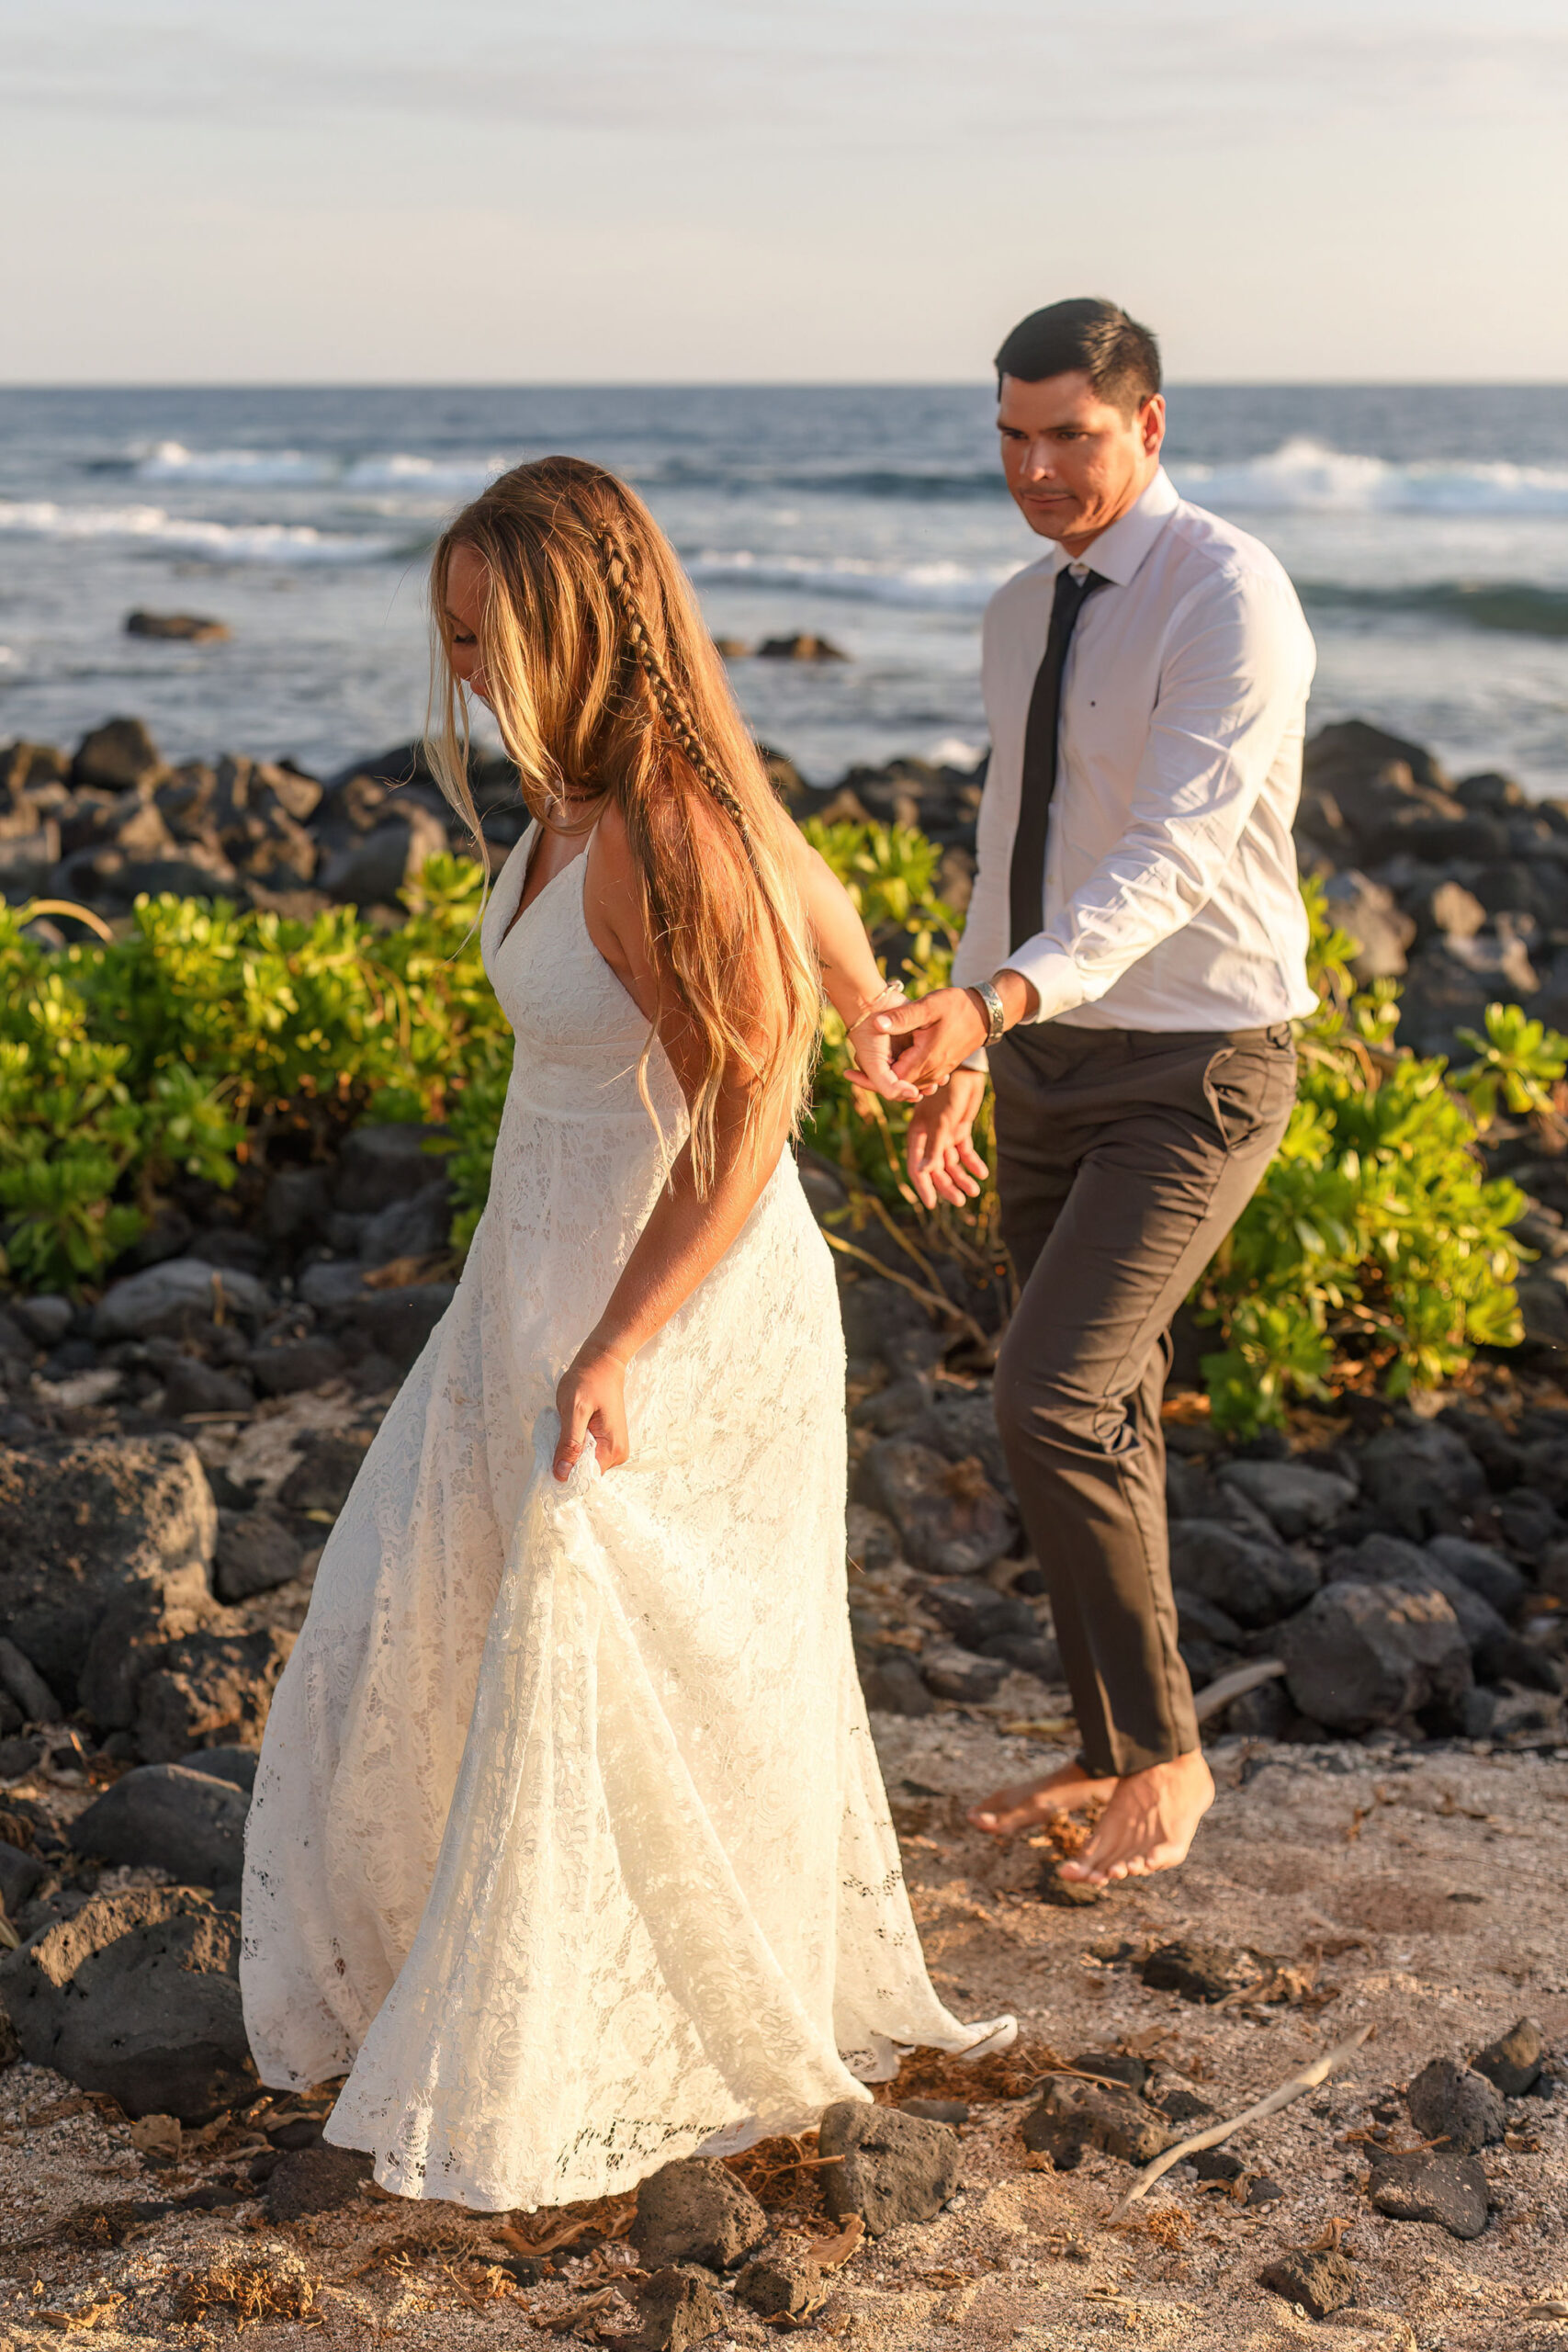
x=894, y=993
x=993, y=1008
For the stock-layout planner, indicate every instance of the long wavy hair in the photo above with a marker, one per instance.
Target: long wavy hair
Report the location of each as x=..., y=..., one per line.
x=606, y=687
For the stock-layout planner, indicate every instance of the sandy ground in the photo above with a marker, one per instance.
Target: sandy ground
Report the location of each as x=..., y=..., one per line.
x=1420, y=1892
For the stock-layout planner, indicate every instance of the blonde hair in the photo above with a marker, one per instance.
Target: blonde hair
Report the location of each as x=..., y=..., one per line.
x=606, y=688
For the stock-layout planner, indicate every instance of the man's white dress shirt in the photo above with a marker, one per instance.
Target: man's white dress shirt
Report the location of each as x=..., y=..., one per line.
x=1170, y=899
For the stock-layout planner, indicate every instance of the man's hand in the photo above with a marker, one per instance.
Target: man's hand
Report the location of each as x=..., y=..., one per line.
x=943, y=1162
x=951, y=1024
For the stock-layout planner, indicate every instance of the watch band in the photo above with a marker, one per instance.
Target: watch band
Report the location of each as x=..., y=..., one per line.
x=995, y=1012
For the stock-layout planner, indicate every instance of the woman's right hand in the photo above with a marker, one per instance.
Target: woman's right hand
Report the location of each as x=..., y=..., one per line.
x=591, y=1402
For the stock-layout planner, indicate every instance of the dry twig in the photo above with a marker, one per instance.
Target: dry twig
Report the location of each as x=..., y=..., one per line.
x=1293, y=2088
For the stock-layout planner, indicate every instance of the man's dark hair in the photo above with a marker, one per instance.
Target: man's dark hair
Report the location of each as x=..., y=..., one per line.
x=1119, y=358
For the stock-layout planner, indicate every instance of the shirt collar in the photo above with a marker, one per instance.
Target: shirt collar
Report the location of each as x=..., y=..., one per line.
x=1118, y=552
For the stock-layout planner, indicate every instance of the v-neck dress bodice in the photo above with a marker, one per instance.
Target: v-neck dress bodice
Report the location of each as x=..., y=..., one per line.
x=568, y=1844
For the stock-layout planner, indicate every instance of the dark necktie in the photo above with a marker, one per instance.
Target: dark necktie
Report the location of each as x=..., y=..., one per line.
x=1026, y=877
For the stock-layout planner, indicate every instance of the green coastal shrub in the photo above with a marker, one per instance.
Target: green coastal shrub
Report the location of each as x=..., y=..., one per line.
x=191, y=1042
x=1376, y=1251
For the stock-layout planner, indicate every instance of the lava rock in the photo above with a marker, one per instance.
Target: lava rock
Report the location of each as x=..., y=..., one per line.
x=236, y=1765
x=1114, y=2066
x=696, y=2210
x=784, y=2281
x=397, y=1323
x=379, y=1165
x=1485, y=1569
x=895, y=2167
x=1498, y=1652
x=294, y=1364
x=872, y=1538
x=963, y=1426
x=956, y=1674
x=676, y=2308
x=1199, y=1971
x=884, y=1322
x=1414, y=1477
x=255, y=1551
x=1025, y=1654
x=951, y=1519
x=1370, y=912
x=315, y=2180
x=1182, y=2106
x=410, y=1229
x=162, y=1298
x=117, y=757
x=1217, y=2163
x=1515, y=2060
x=209, y=1688
x=891, y=1685
x=973, y=1613
x=178, y=628
x=46, y=1318
x=324, y=1475
x=192, y=1387
x=190, y=1824
x=1431, y=2185
x=21, y=1681
x=1320, y=2284
x=1256, y=1584
x=100, y=1538
x=371, y=869
x=1456, y=2105
x=1074, y=2116
x=1362, y=1656
x=138, y=1995
x=20, y=1875
x=1296, y=1499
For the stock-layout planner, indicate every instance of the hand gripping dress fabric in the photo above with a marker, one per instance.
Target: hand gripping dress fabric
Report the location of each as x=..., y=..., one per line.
x=568, y=1844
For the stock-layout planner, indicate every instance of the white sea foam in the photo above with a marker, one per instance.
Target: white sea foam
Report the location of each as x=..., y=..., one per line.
x=221, y=542
x=458, y=475
x=944, y=587
x=171, y=461
x=1304, y=476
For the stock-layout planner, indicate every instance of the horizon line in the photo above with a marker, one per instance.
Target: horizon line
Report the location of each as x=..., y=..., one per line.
x=751, y=383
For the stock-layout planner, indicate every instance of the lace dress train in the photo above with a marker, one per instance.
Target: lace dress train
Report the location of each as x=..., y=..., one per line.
x=568, y=1844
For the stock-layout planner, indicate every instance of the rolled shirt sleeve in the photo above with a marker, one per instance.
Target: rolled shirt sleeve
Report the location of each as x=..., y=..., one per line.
x=1231, y=687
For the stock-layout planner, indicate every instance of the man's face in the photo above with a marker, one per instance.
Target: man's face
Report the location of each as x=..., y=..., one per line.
x=1072, y=461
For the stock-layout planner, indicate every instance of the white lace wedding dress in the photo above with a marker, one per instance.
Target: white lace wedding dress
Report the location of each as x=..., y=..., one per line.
x=568, y=1838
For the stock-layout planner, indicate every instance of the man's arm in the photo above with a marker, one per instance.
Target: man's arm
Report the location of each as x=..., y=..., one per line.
x=1228, y=691
x=1230, y=687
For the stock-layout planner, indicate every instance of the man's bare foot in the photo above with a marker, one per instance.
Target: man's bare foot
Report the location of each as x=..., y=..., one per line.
x=1029, y=1802
x=1149, y=1824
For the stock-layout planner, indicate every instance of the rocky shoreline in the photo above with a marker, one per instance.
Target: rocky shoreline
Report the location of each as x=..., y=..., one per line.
x=1385, y=1587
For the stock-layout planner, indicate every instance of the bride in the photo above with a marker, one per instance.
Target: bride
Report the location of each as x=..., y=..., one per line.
x=568, y=1844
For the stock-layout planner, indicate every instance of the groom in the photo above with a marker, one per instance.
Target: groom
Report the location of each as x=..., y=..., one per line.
x=1133, y=955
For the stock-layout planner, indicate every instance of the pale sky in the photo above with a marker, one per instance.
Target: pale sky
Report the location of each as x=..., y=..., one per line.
x=828, y=190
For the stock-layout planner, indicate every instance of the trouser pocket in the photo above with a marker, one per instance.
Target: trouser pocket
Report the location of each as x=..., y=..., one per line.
x=1250, y=1088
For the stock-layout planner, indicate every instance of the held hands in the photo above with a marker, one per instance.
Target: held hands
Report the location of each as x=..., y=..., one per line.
x=591, y=1402
x=871, y=1070
x=949, y=1026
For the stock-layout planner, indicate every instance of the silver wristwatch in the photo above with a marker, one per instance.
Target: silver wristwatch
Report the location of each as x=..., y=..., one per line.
x=995, y=1012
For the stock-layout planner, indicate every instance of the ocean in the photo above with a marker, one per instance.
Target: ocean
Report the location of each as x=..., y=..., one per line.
x=1426, y=527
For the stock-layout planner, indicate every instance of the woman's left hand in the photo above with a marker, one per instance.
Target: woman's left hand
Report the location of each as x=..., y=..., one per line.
x=871, y=1070
x=591, y=1402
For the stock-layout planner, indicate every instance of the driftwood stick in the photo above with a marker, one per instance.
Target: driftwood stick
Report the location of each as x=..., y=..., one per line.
x=1307, y=2080
x=1235, y=1685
